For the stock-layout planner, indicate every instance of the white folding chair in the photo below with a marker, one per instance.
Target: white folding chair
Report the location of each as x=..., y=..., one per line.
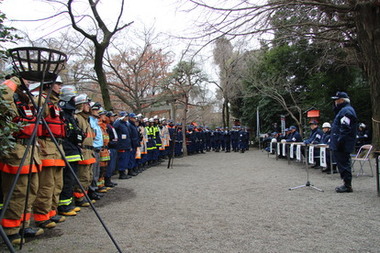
x=363, y=156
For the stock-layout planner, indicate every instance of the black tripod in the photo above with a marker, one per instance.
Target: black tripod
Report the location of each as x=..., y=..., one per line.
x=41, y=65
x=307, y=184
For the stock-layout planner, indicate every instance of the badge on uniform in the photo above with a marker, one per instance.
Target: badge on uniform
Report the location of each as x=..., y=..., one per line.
x=345, y=121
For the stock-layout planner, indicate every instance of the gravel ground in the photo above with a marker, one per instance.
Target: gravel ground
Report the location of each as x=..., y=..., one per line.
x=218, y=202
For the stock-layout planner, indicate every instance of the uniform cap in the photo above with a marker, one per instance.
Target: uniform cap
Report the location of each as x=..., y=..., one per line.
x=362, y=125
x=340, y=94
x=313, y=122
x=326, y=125
x=111, y=114
x=123, y=114
x=292, y=127
x=132, y=115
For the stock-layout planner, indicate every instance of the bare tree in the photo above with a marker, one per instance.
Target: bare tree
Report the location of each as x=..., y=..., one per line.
x=230, y=71
x=350, y=23
x=100, y=37
x=135, y=74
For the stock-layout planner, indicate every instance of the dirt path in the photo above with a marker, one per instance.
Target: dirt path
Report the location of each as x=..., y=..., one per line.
x=220, y=202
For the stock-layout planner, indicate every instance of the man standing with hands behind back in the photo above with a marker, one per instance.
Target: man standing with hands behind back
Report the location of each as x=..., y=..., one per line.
x=343, y=134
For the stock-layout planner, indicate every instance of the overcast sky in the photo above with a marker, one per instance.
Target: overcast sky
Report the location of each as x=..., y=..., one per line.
x=166, y=16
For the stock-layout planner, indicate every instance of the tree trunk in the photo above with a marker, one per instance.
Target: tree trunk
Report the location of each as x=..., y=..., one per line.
x=368, y=34
x=102, y=79
x=184, y=127
x=224, y=114
x=227, y=114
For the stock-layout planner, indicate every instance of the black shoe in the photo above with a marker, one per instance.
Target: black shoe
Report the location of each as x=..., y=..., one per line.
x=82, y=203
x=123, y=175
x=46, y=224
x=109, y=183
x=31, y=232
x=132, y=173
x=343, y=188
x=333, y=172
x=326, y=170
x=94, y=195
x=57, y=218
x=15, y=239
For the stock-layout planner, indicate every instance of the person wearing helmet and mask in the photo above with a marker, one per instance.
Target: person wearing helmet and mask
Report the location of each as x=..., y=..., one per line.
x=343, y=135
x=82, y=114
x=20, y=111
x=71, y=146
x=362, y=136
x=45, y=206
x=326, y=128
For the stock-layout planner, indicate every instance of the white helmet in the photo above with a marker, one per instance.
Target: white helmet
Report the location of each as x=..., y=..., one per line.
x=58, y=79
x=362, y=125
x=151, y=120
x=155, y=117
x=145, y=120
x=81, y=99
x=34, y=86
x=67, y=92
x=326, y=125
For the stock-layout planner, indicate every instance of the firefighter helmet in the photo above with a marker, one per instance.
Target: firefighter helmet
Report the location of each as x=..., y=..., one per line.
x=82, y=99
x=67, y=92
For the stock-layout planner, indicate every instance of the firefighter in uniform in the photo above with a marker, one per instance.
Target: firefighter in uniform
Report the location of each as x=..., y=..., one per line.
x=124, y=145
x=151, y=143
x=83, y=111
x=104, y=152
x=157, y=137
x=143, y=142
x=93, y=190
x=71, y=145
x=14, y=215
x=112, y=145
x=51, y=177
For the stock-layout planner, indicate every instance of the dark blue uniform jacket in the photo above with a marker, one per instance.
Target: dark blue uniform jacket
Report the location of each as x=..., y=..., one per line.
x=343, y=129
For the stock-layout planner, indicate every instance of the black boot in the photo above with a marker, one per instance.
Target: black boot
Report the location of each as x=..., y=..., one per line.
x=345, y=188
x=136, y=170
x=108, y=182
x=132, y=173
x=123, y=175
